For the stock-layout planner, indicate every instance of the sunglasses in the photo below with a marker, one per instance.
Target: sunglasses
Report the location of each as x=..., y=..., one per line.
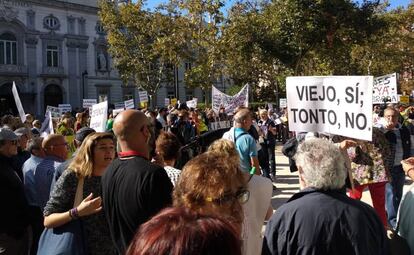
x=242, y=196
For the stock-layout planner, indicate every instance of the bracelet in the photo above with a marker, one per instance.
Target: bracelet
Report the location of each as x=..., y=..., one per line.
x=73, y=213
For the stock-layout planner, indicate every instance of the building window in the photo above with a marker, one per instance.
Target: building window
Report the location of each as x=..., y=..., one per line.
x=99, y=28
x=187, y=66
x=52, y=56
x=128, y=96
x=51, y=22
x=8, y=49
x=170, y=94
x=189, y=95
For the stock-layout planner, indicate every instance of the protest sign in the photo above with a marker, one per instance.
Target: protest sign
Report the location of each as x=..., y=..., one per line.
x=338, y=105
x=282, y=103
x=99, y=115
x=53, y=110
x=219, y=125
x=270, y=106
x=87, y=103
x=173, y=101
x=64, y=108
x=47, y=125
x=18, y=103
x=404, y=99
x=385, y=87
x=166, y=101
x=192, y=103
x=143, y=96
x=119, y=105
x=129, y=104
x=220, y=99
x=117, y=111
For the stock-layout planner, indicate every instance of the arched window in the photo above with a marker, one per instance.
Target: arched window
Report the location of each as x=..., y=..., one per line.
x=8, y=49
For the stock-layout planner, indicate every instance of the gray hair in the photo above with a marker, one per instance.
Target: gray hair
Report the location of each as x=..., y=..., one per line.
x=322, y=164
x=242, y=115
x=35, y=144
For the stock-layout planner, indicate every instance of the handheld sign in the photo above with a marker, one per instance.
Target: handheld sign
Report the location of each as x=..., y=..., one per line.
x=129, y=104
x=64, y=108
x=338, y=105
x=143, y=96
x=282, y=103
x=99, y=115
x=173, y=101
x=119, y=105
x=166, y=101
x=87, y=103
x=385, y=87
x=54, y=111
x=18, y=103
x=192, y=103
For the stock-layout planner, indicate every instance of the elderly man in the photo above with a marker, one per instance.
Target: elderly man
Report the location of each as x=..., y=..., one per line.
x=56, y=150
x=321, y=219
x=24, y=134
x=245, y=143
x=14, y=216
x=133, y=189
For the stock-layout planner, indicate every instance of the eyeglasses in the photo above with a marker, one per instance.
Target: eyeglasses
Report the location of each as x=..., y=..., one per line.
x=242, y=196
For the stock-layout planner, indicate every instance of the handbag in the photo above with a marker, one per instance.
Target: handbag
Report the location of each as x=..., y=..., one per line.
x=68, y=239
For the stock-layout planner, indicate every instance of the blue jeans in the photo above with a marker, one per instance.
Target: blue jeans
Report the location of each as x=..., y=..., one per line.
x=393, y=194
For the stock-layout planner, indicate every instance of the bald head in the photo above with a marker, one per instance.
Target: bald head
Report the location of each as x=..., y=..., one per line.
x=55, y=145
x=128, y=123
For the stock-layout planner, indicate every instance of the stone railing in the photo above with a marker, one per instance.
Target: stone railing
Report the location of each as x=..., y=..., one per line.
x=49, y=70
x=13, y=69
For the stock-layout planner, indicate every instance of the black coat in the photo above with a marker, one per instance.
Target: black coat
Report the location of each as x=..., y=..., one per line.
x=325, y=222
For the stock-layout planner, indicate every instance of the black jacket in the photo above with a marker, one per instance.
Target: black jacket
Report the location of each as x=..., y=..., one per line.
x=392, y=140
x=325, y=222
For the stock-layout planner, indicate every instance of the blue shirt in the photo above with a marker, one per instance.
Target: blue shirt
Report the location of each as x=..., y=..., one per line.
x=43, y=177
x=29, y=168
x=246, y=147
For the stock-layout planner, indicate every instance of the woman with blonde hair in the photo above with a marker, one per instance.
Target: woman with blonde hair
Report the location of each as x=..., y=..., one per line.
x=84, y=173
x=209, y=183
x=258, y=208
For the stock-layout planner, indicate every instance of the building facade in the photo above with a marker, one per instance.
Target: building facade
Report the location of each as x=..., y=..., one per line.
x=56, y=53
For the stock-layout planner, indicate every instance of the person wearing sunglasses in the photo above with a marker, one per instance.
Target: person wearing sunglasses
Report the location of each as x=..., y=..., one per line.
x=15, y=218
x=209, y=183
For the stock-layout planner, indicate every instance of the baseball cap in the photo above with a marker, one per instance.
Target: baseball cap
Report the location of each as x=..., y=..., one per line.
x=7, y=135
x=22, y=131
x=82, y=133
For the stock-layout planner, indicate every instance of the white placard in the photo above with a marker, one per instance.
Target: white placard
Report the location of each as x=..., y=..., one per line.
x=65, y=108
x=18, y=103
x=47, y=125
x=129, y=104
x=166, y=101
x=87, y=103
x=192, y=103
x=282, y=103
x=119, y=105
x=99, y=115
x=230, y=103
x=385, y=87
x=53, y=110
x=219, y=125
x=143, y=96
x=117, y=111
x=269, y=106
x=339, y=105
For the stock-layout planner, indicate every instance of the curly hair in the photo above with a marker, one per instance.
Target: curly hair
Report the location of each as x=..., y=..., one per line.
x=168, y=146
x=205, y=180
x=227, y=147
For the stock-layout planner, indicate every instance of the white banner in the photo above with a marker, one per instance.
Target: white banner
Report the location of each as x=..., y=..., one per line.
x=220, y=99
x=99, y=115
x=192, y=103
x=47, y=125
x=143, y=96
x=166, y=101
x=282, y=103
x=119, y=105
x=117, y=111
x=385, y=87
x=87, y=103
x=129, y=104
x=18, y=103
x=53, y=110
x=219, y=125
x=65, y=108
x=339, y=105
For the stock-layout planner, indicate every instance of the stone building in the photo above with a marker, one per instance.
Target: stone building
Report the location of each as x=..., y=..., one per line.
x=56, y=53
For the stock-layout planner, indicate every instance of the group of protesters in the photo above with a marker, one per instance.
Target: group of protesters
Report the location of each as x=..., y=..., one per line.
x=129, y=191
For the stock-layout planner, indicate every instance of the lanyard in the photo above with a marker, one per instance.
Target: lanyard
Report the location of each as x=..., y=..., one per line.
x=126, y=154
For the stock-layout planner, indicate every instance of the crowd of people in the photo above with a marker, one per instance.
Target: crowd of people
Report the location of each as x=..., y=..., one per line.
x=135, y=189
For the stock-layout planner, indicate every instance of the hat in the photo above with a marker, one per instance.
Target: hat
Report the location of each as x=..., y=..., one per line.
x=22, y=131
x=82, y=133
x=7, y=135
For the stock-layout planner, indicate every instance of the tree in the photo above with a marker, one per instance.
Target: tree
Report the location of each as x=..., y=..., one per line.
x=145, y=45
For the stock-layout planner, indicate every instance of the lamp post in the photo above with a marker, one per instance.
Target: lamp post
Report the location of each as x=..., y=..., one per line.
x=84, y=74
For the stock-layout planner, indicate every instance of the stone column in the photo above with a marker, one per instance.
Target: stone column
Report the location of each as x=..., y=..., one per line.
x=74, y=96
x=31, y=57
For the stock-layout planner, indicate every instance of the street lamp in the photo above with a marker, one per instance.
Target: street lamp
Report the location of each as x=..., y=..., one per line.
x=84, y=74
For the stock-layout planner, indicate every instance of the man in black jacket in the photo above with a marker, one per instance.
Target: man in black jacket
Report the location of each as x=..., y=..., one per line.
x=14, y=217
x=321, y=219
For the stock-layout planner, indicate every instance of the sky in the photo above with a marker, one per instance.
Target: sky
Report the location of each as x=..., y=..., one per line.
x=394, y=3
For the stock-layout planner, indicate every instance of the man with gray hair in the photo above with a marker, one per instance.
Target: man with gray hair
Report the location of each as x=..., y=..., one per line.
x=321, y=218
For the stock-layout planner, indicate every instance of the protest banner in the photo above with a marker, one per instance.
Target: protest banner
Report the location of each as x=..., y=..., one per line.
x=339, y=105
x=220, y=99
x=166, y=101
x=192, y=103
x=64, y=108
x=99, y=115
x=219, y=125
x=282, y=103
x=404, y=99
x=18, y=103
x=129, y=104
x=385, y=87
x=119, y=105
x=47, y=125
x=87, y=103
x=143, y=96
x=53, y=110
